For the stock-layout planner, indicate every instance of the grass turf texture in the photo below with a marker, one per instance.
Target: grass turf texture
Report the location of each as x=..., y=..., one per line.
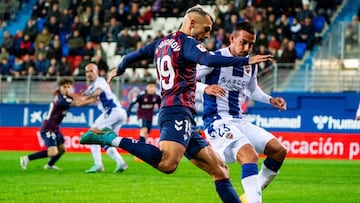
x=299, y=181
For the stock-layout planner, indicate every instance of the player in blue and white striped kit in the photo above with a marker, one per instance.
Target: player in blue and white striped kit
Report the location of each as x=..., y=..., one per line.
x=176, y=56
x=234, y=138
x=112, y=116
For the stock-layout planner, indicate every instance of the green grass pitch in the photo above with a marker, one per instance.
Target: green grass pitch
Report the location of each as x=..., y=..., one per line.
x=300, y=180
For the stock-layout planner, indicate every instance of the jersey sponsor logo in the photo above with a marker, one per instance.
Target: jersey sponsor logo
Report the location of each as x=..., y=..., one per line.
x=201, y=48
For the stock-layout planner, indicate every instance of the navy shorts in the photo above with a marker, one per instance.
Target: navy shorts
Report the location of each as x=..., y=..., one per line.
x=146, y=124
x=52, y=139
x=177, y=124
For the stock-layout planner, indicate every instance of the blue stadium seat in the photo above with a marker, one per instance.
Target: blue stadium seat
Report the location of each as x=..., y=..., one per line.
x=319, y=23
x=65, y=49
x=40, y=24
x=300, y=48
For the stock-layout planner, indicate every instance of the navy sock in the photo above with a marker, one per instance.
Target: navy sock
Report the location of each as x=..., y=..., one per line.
x=54, y=159
x=249, y=169
x=146, y=152
x=38, y=155
x=272, y=164
x=141, y=139
x=226, y=191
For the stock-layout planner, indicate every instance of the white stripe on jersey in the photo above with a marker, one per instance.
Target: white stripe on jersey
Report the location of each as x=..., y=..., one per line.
x=107, y=98
x=237, y=82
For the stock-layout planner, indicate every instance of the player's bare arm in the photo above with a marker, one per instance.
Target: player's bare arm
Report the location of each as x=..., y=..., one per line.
x=260, y=58
x=215, y=90
x=111, y=75
x=279, y=103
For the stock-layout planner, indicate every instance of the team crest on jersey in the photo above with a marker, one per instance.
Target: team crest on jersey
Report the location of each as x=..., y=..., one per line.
x=229, y=136
x=201, y=48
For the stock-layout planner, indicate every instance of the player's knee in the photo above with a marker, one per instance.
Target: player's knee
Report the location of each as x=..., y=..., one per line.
x=282, y=151
x=220, y=172
x=168, y=167
x=247, y=154
x=52, y=153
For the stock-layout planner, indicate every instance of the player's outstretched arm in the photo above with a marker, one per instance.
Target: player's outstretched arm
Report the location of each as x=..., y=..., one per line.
x=111, y=75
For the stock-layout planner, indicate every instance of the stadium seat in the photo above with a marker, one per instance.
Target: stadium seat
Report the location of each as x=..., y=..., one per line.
x=319, y=23
x=300, y=48
x=65, y=49
x=40, y=24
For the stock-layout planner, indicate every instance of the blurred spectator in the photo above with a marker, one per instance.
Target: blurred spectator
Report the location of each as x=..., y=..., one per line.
x=65, y=21
x=282, y=28
x=326, y=8
x=54, y=11
x=125, y=43
x=88, y=49
x=263, y=66
x=307, y=33
x=304, y=13
x=42, y=49
x=26, y=46
x=80, y=70
x=53, y=25
x=8, y=42
x=63, y=67
x=98, y=14
x=31, y=29
x=4, y=67
x=17, y=68
x=269, y=25
x=4, y=54
x=76, y=44
x=77, y=25
x=132, y=17
x=51, y=70
x=101, y=64
x=259, y=23
x=96, y=32
x=28, y=63
x=44, y=37
x=40, y=9
x=85, y=20
x=288, y=56
x=41, y=65
x=146, y=16
x=273, y=43
x=351, y=36
x=294, y=29
x=230, y=26
x=112, y=30
x=261, y=41
x=55, y=51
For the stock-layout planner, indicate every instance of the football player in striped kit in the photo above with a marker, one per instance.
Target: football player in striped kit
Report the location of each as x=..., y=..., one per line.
x=176, y=56
x=234, y=138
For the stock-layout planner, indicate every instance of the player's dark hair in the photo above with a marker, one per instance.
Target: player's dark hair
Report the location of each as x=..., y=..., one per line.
x=246, y=26
x=65, y=81
x=199, y=10
x=151, y=82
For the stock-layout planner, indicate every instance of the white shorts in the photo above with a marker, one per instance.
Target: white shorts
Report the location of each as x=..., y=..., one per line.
x=113, y=120
x=229, y=135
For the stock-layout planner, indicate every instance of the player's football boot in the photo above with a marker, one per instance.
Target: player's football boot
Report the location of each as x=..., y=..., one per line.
x=53, y=167
x=243, y=198
x=95, y=168
x=102, y=137
x=24, y=161
x=121, y=167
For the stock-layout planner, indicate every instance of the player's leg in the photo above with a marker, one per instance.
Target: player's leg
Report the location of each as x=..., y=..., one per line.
x=143, y=130
x=172, y=141
x=50, y=142
x=265, y=143
x=56, y=153
x=115, y=120
x=276, y=154
x=227, y=140
x=208, y=160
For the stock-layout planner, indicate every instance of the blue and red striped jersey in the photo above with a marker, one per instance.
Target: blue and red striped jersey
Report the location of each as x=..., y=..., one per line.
x=57, y=111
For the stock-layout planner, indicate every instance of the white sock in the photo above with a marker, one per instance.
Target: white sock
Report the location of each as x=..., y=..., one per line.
x=266, y=176
x=252, y=189
x=96, y=153
x=114, y=154
x=116, y=142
